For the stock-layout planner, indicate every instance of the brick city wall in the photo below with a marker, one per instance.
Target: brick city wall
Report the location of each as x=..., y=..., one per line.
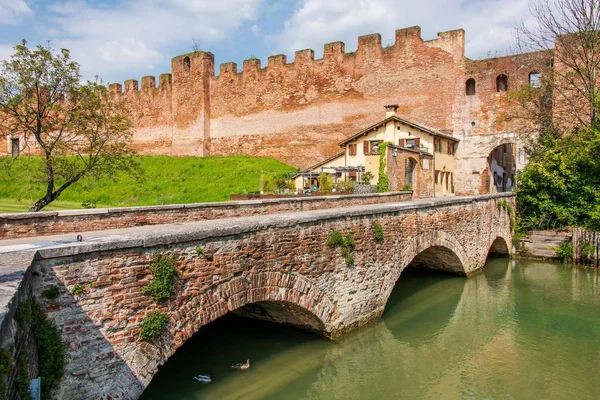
x=276, y=259
x=75, y=221
x=297, y=112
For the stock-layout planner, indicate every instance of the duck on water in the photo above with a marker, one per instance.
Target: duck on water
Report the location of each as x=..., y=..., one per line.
x=205, y=378
x=242, y=366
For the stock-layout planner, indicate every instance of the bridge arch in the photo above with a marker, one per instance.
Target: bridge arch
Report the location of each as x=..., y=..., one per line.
x=499, y=246
x=282, y=297
x=425, y=251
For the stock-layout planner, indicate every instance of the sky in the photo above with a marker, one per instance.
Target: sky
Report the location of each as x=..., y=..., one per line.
x=128, y=39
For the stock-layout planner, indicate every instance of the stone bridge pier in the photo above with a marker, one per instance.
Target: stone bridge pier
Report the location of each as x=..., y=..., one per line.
x=275, y=267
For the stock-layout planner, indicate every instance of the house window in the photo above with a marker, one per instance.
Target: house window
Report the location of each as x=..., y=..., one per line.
x=535, y=79
x=186, y=64
x=437, y=145
x=15, y=147
x=450, y=148
x=352, y=149
x=437, y=177
x=501, y=83
x=412, y=143
x=371, y=146
x=470, y=87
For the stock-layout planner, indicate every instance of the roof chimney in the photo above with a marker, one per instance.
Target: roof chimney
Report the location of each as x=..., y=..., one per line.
x=390, y=110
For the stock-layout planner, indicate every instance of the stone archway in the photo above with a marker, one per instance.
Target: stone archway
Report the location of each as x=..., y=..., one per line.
x=433, y=247
x=502, y=167
x=273, y=292
x=499, y=247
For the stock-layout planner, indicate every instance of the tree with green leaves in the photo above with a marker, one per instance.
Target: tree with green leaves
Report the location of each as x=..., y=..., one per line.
x=560, y=186
x=563, y=43
x=78, y=128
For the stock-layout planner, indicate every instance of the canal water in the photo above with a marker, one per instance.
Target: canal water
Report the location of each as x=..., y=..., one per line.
x=520, y=330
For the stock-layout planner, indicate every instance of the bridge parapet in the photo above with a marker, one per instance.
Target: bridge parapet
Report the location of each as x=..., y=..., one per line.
x=56, y=222
x=280, y=263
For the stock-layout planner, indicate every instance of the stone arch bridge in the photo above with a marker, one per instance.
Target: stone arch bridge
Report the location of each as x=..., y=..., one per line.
x=277, y=267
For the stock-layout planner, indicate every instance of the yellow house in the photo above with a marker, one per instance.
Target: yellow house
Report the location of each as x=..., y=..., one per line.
x=361, y=154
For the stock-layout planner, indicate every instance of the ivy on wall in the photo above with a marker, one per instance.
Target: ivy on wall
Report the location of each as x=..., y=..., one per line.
x=383, y=183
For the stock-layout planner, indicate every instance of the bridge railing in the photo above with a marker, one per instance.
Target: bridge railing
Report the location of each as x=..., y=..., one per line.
x=58, y=222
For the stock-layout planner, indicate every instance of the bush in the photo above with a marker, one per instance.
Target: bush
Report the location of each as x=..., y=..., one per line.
x=335, y=239
x=378, y=231
x=199, y=251
x=325, y=182
x=366, y=178
x=51, y=293
x=89, y=204
x=565, y=251
x=349, y=259
x=23, y=314
x=164, y=277
x=346, y=186
x=152, y=325
x=51, y=349
x=77, y=289
x=5, y=369
x=349, y=241
x=587, y=251
x=559, y=185
x=406, y=187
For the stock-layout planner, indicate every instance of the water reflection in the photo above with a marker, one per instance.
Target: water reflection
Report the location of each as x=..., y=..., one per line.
x=519, y=330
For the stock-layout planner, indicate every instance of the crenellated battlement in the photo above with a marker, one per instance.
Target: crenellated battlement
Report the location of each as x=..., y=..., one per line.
x=298, y=109
x=369, y=48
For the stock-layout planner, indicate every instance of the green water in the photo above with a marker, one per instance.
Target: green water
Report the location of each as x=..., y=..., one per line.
x=520, y=330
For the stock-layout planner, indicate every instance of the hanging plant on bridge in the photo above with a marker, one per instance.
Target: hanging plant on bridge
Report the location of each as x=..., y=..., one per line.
x=164, y=277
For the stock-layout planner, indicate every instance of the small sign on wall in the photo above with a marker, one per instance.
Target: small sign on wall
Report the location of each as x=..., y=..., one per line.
x=425, y=163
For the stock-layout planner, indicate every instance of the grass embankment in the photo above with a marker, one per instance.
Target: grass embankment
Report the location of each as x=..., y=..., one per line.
x=164, y=180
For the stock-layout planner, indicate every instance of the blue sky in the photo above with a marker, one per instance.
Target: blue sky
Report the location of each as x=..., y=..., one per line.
x=119, y=40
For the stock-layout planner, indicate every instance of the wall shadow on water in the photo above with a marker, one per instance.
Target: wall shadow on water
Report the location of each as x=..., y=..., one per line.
x=278, y=354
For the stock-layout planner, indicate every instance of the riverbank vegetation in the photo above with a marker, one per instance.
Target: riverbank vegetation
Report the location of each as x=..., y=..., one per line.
x=162, y=180
x=560, y=186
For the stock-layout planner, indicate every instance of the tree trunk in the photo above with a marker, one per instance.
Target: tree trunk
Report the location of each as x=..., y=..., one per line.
x=43, y=202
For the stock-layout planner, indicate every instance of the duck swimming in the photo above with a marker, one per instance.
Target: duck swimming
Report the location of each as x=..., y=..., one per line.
x=205, y=378
x=242, y=366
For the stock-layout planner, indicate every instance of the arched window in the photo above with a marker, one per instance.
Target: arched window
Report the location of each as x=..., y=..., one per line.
x=501, y=83
x=535, y=79
x=186, y=64
x=470, y=87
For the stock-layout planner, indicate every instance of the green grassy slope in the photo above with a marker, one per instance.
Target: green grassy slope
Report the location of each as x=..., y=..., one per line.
x=165, y=180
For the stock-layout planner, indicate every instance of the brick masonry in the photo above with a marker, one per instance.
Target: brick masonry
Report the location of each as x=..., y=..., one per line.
x=22, y=225
x=299, y=111
x=262, y=260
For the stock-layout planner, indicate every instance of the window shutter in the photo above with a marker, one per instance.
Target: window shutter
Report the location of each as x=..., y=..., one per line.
x=366, y=147
x=401, y=142
x=417, y=142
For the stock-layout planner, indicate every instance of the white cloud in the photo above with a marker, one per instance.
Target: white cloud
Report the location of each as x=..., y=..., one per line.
x=11, y=11
x=133, y=36
x=488, y=23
